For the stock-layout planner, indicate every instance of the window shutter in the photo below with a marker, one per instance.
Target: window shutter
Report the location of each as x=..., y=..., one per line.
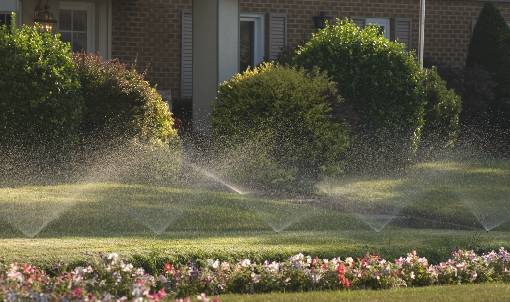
x=403, y=30
x=187, y=55
x=277, y=35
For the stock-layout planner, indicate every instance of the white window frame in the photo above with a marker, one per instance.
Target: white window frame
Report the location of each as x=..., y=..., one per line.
x=18, y=10
x=383, y=22
x=91, y=20
x=259, y=30
x=3, y=13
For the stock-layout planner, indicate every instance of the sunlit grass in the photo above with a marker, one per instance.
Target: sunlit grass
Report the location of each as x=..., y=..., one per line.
x=435, y=213
x=458, y=293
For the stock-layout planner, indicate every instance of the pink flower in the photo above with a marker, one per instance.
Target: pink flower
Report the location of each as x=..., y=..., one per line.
x=341, y=276
x=27, y=268
x=77, y=292
x=160, y=295
x=168, y=268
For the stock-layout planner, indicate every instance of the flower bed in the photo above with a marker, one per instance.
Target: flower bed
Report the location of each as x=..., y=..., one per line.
x=110, y=278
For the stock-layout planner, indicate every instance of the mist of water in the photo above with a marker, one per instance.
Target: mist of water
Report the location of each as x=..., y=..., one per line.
x=216, y=179
x=280, y=215
x=376, y=200
x=31, y=213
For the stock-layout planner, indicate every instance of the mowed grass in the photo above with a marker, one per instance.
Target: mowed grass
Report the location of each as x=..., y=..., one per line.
x=458, y=293
x=434, y=208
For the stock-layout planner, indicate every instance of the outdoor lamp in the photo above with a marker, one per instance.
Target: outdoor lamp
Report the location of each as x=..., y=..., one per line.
x=44, y=17
x=320, y=20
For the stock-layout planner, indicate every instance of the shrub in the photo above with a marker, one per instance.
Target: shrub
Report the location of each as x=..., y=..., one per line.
x=489, y=50
x=380, y=80
x=442, y=114
x=287, y=113
x=108, y=277
x=119, y=102
x=40, y=102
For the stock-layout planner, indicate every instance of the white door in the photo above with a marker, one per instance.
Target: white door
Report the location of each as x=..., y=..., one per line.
x=251, y=40
x=76, y=24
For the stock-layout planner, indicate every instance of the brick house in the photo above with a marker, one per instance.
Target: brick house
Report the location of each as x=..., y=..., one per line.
x=228, y=35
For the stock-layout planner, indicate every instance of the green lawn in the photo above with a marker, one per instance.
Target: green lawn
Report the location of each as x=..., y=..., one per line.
x=436, y=207
x=460, y=293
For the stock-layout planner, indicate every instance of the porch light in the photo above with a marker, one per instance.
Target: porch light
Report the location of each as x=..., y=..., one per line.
x=44, y=17
x=320, y=20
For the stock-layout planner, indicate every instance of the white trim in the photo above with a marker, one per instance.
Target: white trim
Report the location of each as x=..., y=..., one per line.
x=110, y=22
x=19, y=13
x=104, y=29
x=259, y=20
x=383, y=22
x=91, y=24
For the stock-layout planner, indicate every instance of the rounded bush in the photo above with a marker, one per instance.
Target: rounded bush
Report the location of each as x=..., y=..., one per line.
x=287, y=114
x=442, y=114
x=489, y=52
x=380, y=80
x=119, y=102
x=40, y=101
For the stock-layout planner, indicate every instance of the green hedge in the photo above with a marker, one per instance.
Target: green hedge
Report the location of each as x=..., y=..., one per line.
x=119, y=102
x=40, y=101
x=442, y=115
x=285, y=115
x=380, y=80
x=489, y=51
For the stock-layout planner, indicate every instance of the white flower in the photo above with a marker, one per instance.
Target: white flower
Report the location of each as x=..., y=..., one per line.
x=245, y=263
x=139, y=272
x=127, y=268
x=349, y=261
x=255, y=278
x=225, y=266
x=114, y=257
x=88, y=269
x=298, y=257
x=273, y=267
x=413, y=276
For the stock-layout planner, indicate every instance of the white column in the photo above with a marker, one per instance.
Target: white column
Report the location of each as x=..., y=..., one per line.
x=104, y=42
x=215, y=53
x=421, y=41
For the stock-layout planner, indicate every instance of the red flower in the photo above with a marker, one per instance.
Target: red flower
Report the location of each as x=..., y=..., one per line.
x=27, y=268
x=168, y=268
x=177, y=124
x=341, y=276
x=341, y=269
x=345, y=282
x=77, y=292
x=160, y=295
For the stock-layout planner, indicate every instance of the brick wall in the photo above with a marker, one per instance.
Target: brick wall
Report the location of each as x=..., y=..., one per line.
x=149, y=31
x=449, y=26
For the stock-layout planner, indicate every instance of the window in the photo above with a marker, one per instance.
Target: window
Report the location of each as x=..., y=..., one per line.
x=7, y=7
x=5, y=18
x=383, y=24
x=401, y=30
x=251, y=40
x=76, y=23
